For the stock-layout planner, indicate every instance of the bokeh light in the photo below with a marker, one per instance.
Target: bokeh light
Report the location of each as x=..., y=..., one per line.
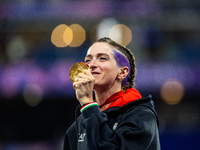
x=110, y=27
x=121, y=34
x=68, y=35
x=57, y=37
x=172, y=91
x=79, y=35
x=63, y=36
x=104, y=27
x=32, y=94
x=16, y=48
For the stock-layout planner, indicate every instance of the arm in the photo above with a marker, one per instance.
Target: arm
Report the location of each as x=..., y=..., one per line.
x=99, y=135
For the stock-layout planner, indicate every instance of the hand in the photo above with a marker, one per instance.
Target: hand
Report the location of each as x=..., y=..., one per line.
x=84, y=85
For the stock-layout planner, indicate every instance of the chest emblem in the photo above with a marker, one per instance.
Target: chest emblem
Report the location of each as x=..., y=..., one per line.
x=115, y=126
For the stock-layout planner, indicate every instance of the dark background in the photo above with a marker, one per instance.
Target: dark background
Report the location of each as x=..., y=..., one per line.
x=37, y=102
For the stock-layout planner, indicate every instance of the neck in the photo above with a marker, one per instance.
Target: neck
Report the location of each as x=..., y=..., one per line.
x=103, y=94
x=105, y=106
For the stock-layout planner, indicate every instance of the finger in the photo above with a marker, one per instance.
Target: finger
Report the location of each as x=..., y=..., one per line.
x=87, y=72
x=83, y=81
x=75, y=86
x=83, y=76
x=76, y=80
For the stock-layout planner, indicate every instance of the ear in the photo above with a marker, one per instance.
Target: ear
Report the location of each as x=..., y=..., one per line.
x=123, y=73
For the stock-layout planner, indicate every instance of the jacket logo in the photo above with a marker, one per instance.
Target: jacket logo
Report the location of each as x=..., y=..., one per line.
x=81, y=137
x=115, y=126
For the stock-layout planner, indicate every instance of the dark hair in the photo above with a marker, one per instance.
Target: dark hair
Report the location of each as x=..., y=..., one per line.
x=129, y=55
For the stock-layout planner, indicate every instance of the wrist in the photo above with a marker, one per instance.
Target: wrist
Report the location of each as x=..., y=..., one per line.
x=87, y=105
x=84, y=101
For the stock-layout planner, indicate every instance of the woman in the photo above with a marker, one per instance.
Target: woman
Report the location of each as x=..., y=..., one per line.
x=119, y=118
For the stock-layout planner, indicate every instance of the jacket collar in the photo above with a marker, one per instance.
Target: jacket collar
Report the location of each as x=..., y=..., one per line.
x=122, y=98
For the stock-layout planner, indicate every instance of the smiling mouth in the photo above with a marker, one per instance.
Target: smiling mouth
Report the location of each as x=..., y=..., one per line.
x=95, y=74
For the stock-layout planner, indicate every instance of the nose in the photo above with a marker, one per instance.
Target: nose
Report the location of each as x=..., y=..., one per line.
x=92, y=64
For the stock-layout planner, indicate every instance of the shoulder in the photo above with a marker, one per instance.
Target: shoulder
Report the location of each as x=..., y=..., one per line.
x=141, y=113
x=146, y=117
x=145, y=110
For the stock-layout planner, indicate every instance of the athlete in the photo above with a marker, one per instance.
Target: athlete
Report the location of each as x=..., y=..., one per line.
x=114, y=116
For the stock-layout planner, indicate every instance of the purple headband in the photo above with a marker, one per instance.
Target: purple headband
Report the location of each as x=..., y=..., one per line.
x=122, y=61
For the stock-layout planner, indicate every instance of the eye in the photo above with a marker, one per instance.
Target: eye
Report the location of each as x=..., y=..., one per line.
x=87, y=61
x=103, y=58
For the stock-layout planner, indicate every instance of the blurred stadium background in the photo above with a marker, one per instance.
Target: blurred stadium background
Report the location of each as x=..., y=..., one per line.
x=41, y=39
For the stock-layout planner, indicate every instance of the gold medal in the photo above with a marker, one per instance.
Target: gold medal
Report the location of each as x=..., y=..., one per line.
x=76, y=69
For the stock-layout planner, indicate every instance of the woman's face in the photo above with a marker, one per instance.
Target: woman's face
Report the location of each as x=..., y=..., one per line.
x=102, y=64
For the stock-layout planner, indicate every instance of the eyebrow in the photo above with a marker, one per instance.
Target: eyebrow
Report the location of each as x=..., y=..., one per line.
x=98, y=55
